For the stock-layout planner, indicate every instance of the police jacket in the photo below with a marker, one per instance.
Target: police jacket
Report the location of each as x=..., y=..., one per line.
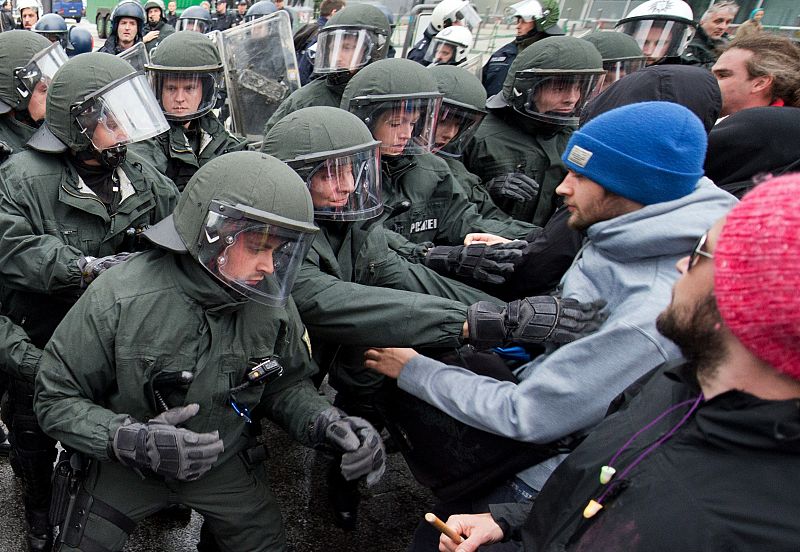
x=354, y=292
x=111, y=47
x=503, y=144
x=221, y=22
x=323, y=92
x=49, y=218
x=14, y=132
x=430, y=206
x=726, y=480
x=162, y=312
x=164, y=30
x=174, y=155
x=417, y=53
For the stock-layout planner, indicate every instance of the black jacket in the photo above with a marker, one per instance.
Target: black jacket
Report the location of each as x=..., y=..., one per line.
x=704, y=50
x=727, y=479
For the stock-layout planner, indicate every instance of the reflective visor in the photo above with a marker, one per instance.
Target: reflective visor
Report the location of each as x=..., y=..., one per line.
x=659, y=38
x=196, y=25
x=346, y=187
x=404, y=126
x=555, y=97
x=343, y=49
x=456, y=125
x=256, y=258
x=40, y=68
x=126, y=111
x=616, y=69
x=184, y=95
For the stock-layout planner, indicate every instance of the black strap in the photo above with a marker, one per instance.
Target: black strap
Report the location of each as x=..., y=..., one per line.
x=111, y=514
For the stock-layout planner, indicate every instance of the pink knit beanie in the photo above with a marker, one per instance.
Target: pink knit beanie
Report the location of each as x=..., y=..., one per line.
x=757, y=272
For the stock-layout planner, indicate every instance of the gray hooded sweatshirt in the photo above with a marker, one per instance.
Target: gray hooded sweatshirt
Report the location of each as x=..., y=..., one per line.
x=630, y=262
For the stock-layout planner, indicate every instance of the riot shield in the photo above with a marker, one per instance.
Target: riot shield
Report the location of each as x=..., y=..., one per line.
x=136, y=55
x=260, y=71
x=417, y=23
x=474, y=64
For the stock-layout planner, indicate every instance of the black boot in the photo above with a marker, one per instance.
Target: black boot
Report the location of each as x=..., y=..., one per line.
x=39, y=532
x=343, y=497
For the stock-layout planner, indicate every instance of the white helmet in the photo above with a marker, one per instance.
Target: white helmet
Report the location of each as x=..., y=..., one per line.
x=451, y=12
x=35, y=4
x=528, y=10
x=450, y=46
x=662, y=28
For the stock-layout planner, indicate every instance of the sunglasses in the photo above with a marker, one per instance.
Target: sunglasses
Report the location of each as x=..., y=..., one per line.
x=697, y=252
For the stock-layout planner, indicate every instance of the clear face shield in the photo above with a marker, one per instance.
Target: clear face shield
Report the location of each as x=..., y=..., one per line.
x=123, y=112
x=555, y=97
x=345, y=49
x=618, y=68
x=466, y=16
x=36, y=76
x=456, y=125
x=404, y=126
x=253, y=252
x=659, y=38
x=346, y=186
x=444, y=52
x=196, y=25
x=185, y=95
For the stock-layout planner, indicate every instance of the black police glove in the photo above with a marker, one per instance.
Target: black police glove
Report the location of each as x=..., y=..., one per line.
x=479, y=261
x=533, y=320
x=170, y=451
x=361, y=445
x=92, y=267
x=516, y=186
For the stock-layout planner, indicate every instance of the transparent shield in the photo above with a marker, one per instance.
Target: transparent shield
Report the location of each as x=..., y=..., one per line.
x=474, y=65
x=345, y=187
x=659, y=38
x=260, y=71
x=124, y=112
x=136, y=55
x=185, y=95
x=615, y=70
x=555, y=97
x=404, y=126
x=468, y=17
x=256, y=258
x=343, y=49
x=456, y=125
x=40, y=69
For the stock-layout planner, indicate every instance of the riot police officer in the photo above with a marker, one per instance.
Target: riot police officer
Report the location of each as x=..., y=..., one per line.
x=353, y=38
x=662, y=30
x=28, y=62
x=194, y=18
x=621, y=54
x=447, y=13
x=53, y=27
x=156, y=29
x=127, y=27
x=210, y=305
x=516, y=152
x=185, y=72
x=72, y=204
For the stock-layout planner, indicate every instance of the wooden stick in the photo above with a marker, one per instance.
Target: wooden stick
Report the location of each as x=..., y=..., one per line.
x=439, y=524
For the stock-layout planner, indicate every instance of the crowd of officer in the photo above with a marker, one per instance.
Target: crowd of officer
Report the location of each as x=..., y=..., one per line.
x=189, y=249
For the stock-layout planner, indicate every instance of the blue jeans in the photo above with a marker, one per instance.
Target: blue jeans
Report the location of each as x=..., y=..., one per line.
x=426, y=538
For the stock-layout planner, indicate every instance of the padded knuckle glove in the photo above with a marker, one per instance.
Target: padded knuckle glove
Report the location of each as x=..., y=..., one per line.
x=161, y=447
x=360, y=444
x=515, y=186
x=92, y=267
x=479, y=261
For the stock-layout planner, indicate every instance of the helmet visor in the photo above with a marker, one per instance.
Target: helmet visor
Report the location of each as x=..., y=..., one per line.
x=554, y=97
x=344, y=49
x=444, y=52
x=39, y=70
x=456, y=125
x=659, y=38
x=123, y=112
x=257, y=258
x=404, y=126
x=346, y=187
x=466, y=16
x=184, y=95
x=191, y=24
x=616, y=69
x=136, y=55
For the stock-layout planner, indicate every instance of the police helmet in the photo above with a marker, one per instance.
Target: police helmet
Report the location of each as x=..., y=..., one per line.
x=25, y=59
x=194, y=18
x=53, y=27
x=661, y=28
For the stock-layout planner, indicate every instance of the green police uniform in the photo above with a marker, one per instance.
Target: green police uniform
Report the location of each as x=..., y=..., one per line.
x=428, y=204
x=163, y=311
x=510, y=140
x=179, y=152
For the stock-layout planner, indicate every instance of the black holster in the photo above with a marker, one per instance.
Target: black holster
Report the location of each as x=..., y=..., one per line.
x=68, y=476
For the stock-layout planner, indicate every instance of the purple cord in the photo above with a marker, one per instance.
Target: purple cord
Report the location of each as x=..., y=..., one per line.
x=655, y=445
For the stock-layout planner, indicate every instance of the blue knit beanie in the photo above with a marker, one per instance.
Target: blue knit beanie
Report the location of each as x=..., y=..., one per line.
x=648, y=152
